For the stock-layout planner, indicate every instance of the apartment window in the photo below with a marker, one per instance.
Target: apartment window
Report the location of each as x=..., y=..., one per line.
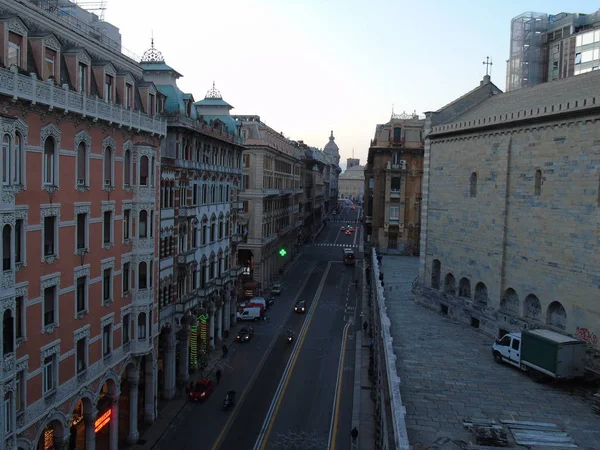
x=5, y=159
x=49, y=160
x=212, y=232
x=8, y=413
x=82, y=78
x=204, y=194
x=128, y=96
x=220, y=229
x=141, y=326
x=107, y=227
x=81, y=291
x=125, y=333
x=204, y=232
x=143, y=225
x=49, y=235
x=81, y=165
x=18, y=149
x=108, y=164
x=15, y=43
x=107, y=285
x=50, y=63
x=394, y=212
x=473, y=185
x=49, y=306
x=20, y=317
x=48, y=373
x=125, y=274
x=6, y=247
x=108, y=88
x=143, y=275
x=195, y=195
x=152, y=104
x=144, y=163
x=81, y=231
x=127, y=168
x=106, y=340
x=81, y=349
x=20, y=391
x=126, y=223
x=8, y=332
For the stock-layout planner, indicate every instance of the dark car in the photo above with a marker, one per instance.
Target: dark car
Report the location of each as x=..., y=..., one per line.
x=201, y=390
x=300, y=307
x=245, y=334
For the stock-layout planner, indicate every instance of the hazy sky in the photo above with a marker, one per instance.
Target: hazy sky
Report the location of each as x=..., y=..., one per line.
x=310, y=66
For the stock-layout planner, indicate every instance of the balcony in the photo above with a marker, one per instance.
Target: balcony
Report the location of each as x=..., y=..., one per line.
x=188, y=211
x=395, y=194
x=138, y=347
x=142, y=297
x=177, y=119
x=236, y=238
x=271, y=191
x=29, y=88
x=186, y=257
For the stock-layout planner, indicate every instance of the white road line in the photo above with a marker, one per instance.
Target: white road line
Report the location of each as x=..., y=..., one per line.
x=337, y=383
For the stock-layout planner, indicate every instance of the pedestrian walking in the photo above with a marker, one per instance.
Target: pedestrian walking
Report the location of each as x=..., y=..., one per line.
x=180, y=384
x=354, y=434
x=365, y=326
x=225, y=350
x=218, y=375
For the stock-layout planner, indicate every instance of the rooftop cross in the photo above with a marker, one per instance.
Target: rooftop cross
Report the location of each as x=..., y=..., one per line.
x=488, y=65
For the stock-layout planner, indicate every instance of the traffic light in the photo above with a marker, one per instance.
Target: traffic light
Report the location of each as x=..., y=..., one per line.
x=348, y=226
x=282, y=252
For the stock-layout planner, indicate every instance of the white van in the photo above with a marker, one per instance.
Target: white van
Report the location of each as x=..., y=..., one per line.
x=259, y=301
x=252, y=313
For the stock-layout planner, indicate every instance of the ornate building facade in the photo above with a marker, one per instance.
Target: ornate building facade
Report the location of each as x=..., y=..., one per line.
x=352, y=183
x=200, y=178
x=511, y=208
x=80, y=151
x=393, y=176
x=270, y=198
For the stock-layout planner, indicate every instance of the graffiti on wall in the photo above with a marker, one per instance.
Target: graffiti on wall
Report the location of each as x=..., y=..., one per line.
x=586, y=335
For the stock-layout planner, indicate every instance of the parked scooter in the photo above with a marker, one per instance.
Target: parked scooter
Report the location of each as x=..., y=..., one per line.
x=229, y=400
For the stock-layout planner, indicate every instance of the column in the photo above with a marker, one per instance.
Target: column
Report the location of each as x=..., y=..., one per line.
x=184, y=354
x=133, y=436
x=170, y=369
x=149, y=392
x=114, y=423
x=90, y=430
x=60, y=438
x=227, y=306
x=211, y=326
x=220, y=323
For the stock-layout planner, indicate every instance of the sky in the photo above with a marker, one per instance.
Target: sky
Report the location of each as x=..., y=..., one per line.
x=307, y=67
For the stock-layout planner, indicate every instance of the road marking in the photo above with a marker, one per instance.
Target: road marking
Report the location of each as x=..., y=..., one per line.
x=338, y=393
x=267, y=427
x=236, y=408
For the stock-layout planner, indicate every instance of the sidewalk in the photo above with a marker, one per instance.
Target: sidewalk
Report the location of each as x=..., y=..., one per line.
x=363, y=407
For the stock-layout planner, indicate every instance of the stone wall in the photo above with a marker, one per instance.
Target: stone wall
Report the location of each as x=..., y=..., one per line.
x=530, y=234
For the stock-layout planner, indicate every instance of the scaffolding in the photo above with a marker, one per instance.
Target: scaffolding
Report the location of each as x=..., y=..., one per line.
x=528, y=60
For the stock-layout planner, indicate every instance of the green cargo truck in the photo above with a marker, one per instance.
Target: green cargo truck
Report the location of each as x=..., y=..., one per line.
x=542, y=353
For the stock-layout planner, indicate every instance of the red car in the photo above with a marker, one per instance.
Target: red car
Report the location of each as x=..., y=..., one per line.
x=348, y=233
x=354, y=207
x=202, y=389
x=351, y=229
x=343, y=229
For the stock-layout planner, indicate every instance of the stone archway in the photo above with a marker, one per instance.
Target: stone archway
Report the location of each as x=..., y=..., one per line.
x=53, y=434
x=106, y=425
x=510, y=302
x=556, y=315
x=532, y=308
x=449, y=284
x=481, y=293
x=464, y=288
x=83, y=419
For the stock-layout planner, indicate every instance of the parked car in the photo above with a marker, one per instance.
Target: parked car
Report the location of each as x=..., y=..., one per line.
x=201, y=390
x=252, y=313
x=276, y=289
x=300, y=307
x=245, y=335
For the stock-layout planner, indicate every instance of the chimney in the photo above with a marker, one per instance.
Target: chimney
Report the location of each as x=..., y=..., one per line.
x=486, y=80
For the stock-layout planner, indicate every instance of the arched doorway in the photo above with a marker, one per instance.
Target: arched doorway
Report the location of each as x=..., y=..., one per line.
x=106, y=425
x=83, y=422
x=53, y=436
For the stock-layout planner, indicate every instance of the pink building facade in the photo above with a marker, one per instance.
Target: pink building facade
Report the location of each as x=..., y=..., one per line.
x=79, y=214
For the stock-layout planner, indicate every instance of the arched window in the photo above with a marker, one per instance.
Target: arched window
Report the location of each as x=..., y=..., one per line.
x=473, y=185
x=127, y=167
x=49, y=160
x=144, y=171
x=152, y=172
x=538, y=183
x=7, y=411
x=143, y=275
x=143, y=225
x=6, y=248
x=18, y=158
x=5, y=159
x=81, y=165
x=220, y=229
x=8, y=332
x=141, y=326
x=108, y=162
x=150, y=269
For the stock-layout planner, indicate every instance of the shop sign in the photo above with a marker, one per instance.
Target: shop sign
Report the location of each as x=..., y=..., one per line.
x=204, y=331
x=102, y=420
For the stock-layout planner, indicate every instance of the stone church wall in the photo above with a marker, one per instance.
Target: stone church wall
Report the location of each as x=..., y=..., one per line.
x=528, y=241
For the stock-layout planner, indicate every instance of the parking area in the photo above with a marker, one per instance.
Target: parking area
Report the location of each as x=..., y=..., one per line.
x=447, y=373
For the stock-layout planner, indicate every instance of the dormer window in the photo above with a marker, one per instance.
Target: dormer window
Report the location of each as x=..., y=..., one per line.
x=128, y=96
x=188, y=108
x=49, y=63
x=15, y=46
x=82, y=77
x=151, y=104
x=108, y=88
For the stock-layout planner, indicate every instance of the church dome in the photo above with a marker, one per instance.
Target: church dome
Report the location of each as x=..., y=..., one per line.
x=331, y=147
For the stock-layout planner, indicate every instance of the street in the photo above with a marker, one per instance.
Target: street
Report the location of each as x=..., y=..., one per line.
x=289, y=396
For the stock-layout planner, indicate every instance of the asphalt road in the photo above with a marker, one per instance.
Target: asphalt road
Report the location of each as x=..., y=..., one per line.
x=287, y=392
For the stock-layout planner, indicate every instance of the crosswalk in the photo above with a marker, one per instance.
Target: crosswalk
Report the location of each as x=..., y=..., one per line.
x=332, y=220
x=324, y=244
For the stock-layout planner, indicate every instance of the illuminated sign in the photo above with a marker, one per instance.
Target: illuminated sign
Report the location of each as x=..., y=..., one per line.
x=194, y=345
x=204, y=331
x=102, y=421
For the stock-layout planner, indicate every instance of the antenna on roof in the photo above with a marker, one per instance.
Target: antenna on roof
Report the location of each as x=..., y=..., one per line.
x=352, y=152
